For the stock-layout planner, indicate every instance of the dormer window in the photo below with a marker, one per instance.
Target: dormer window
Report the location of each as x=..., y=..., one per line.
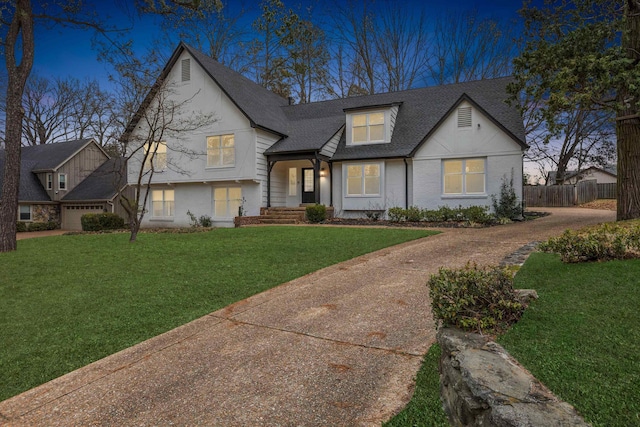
x=369, y=127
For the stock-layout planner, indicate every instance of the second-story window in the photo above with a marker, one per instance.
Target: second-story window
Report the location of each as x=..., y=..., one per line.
x=155, y=156
x=221, y=151
x=367, y=127
x=62, y=181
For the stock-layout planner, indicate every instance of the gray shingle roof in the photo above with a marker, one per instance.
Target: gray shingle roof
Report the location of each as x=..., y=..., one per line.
x=103, y=183
x=51, y=156
x=30, y=188
x=307, y=127
x=420, y=112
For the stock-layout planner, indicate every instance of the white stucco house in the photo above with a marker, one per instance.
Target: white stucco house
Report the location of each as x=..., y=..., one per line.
x=429, y=147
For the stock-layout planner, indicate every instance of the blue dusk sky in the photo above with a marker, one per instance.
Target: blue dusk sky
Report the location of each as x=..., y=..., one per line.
x=62, y=52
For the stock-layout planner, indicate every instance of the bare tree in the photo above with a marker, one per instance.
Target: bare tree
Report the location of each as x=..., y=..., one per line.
x=154, y=145
x=468, y=47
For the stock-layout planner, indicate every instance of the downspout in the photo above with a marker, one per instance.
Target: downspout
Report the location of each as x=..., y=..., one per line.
x=269, y=168
x=330, y=183
x=113, y=208
x=406, y=184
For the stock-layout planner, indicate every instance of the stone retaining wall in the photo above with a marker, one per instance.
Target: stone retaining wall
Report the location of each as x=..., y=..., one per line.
x=482, y=385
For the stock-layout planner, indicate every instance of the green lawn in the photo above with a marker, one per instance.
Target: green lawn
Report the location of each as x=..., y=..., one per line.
x=581, y=339
x=69, y=300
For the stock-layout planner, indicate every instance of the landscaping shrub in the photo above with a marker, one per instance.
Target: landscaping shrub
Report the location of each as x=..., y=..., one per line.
x=316, y=213
x=604, y=242
x=413, y=214
x=396, y=214
x=101, y=221
x=41, y=226
x=205, y=221
x=21, y=226
x=478, y=214
x=474, y=299
x=506, y=205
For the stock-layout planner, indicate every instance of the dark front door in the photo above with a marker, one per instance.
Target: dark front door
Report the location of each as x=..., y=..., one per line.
x=308, y=186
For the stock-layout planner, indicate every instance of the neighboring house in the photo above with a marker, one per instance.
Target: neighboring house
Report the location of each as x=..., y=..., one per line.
x=445, y=145
x=62, y=181
x=606, y=175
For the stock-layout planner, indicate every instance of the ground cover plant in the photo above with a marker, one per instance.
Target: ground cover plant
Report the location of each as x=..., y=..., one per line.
x=69, y=300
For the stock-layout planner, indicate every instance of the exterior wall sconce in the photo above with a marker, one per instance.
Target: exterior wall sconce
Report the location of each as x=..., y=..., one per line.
x=323, y=172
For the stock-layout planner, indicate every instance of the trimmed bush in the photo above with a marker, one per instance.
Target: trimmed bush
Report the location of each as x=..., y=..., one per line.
x=101, y=221
x=474, y=299
x=316, y=213
x=396, y=214
x=21, y=226
x=472, y=214
x=601, y=243
x=205, y=221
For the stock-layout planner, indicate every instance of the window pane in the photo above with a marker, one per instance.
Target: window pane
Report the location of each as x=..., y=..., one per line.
x=475, y=183
x=168, y=195
x=157, y=208
x=227, y=141
x=354, y=185
x=354, y=171
x=359, y=120
x=376, y=133
x=453, y=166
x=293, y=181
x=235, y=193
x=376, y=118
x=359, y=134
x=219, y=194
x=234, y=206
x=169, y=206
x=453, y=184
x=156, y=195
x=221, y=208
x=25, y=213
x=475, y=165
x=228, y=156
x=308, y=180
x=372, y=185
x=372, y=170
x=213, y=142
x=213, y=158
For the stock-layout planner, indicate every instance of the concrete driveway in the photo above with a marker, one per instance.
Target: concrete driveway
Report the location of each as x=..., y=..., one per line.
x=337, y=347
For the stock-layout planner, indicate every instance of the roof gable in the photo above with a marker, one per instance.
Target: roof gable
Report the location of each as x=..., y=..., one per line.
x=103, y=184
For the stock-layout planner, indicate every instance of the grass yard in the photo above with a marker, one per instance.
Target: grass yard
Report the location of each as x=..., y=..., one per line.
x=581, y=339
x=70, y=300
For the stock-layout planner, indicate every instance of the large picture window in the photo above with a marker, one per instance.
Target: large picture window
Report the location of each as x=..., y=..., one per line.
x=221, y=151
x=226, y=201
x=363, y=179
x=155, y=156
x=367, y=128
x=464, y=176
x=163, y=203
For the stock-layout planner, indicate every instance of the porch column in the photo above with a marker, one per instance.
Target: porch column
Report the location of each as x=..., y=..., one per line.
x=316, y=178
x=270, y=166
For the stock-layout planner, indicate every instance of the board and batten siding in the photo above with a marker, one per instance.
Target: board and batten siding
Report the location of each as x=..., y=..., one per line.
x=77, y=168
x=483, y=139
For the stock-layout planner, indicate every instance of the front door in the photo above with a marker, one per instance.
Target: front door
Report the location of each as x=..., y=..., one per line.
x=308, y=186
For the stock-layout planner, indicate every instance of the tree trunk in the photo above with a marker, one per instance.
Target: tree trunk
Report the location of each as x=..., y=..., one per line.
x=19, y=35
x=628, y=126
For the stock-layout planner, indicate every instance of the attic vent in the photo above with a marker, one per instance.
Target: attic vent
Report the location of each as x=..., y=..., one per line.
x=186, y=70
x=464, y=117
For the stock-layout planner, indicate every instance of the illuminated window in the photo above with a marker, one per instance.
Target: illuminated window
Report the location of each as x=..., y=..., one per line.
x=463, y=176
x=163, y=203
x=155, y=156
x=221, y=151
x=367, y=128
x=363, y=179
x=227, y=202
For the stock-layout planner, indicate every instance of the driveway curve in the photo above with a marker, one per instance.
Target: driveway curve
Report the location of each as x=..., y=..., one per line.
x=340, y=346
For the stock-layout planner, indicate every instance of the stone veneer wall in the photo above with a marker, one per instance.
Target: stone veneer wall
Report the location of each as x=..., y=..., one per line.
x=482, y=385
x=45, y=213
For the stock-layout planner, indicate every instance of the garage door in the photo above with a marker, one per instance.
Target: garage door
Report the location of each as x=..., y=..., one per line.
x=71, y=215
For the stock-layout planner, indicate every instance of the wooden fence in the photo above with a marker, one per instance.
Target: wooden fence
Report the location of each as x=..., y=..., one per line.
x=560, y=195
x=607, y=191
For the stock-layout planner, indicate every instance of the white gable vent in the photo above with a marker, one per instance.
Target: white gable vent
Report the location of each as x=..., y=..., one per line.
x=464, y=117
x=186, y=70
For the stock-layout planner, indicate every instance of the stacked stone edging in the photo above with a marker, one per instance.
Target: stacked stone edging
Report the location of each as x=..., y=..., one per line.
x=482, y=385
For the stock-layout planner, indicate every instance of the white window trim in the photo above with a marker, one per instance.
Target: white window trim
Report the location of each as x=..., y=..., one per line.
x=464, y=181
x=163, y=218
x=387, y=127
x=49, y=179
x=222, y=166
x=345, y=174
x=66, y=182
x=30, y=214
